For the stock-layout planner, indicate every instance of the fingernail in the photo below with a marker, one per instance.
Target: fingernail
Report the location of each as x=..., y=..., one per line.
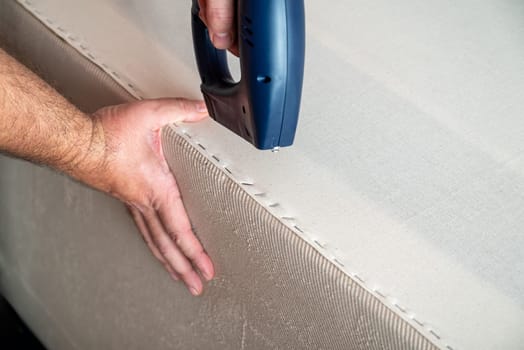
x=222, y=40
x=201, y=107
x=193, y=291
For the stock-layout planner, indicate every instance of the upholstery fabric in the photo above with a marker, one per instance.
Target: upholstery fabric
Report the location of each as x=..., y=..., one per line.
x=408, y=167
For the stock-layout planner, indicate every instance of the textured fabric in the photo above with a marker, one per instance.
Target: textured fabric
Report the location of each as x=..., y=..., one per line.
x=282, y=284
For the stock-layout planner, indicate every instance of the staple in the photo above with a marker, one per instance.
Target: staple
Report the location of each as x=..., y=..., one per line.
x=201, y=146
x=288, y=218
x=434, y=334
x=338, y=262
x=400, y=308
x=115, y=74
x=358, y=278
x=131, y=86
x=247, y=183
x=273, y=205
x=377, y=292
x=449, y=347
x=298, y=229
x=215, y=158
x=418, y=322
x=260, y=194
x=319, y=244
x=227, y=169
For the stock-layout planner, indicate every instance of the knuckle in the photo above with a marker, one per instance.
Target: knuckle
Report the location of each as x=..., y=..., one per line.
x=147, y=210
x=194, y=253
x=174, y=237
x=191, y=251
x=178, y=240
x=184, y=270
x=181, y=237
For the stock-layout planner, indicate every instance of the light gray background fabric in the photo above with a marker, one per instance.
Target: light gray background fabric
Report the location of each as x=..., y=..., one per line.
x=408, y=162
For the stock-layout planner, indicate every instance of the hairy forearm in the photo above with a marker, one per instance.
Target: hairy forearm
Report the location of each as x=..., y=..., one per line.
x=39, y=125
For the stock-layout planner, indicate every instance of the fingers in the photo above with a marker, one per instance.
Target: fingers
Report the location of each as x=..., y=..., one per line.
x=172, y=254
x=175, y=220
x=156, y=205
x=219, y=17
x=144, y=231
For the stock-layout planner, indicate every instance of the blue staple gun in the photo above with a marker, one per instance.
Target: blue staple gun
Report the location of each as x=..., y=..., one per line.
x=263, y=106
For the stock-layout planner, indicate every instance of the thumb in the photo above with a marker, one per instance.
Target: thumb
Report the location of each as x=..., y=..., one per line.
x=220, y=17
x=173, y=110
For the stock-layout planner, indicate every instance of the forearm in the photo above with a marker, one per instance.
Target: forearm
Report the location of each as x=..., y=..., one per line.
x=39, y=125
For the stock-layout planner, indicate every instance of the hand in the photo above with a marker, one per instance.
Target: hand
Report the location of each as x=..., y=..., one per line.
x=219, y=16
x=118, y=151
x=137, y=173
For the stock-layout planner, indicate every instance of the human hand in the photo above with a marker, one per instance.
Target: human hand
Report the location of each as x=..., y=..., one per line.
x=219, y=17
x=136, y=172
x=117, y=150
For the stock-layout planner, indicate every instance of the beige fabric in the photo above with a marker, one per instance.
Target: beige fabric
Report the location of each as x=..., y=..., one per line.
x=282, y=285
x=408, y=162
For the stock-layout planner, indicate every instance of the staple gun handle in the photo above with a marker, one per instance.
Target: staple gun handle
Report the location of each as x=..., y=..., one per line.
x=263, y=106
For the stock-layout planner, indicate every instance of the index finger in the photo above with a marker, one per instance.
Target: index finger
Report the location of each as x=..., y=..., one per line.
x=176, y=221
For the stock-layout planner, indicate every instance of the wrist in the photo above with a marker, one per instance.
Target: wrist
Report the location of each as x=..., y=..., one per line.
x=90, y=164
